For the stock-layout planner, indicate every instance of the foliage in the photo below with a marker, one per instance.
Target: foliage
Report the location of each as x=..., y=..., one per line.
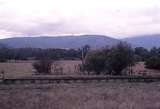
x=153, y=63
x=141, y=53
x=37, y=53
x=95, y=62
x=43, y=66
x=111, y=60
x=120, y=57
x=4, y=54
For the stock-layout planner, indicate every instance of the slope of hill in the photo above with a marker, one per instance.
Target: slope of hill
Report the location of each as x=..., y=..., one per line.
x=95, y=41
x=147, y=41
x=3, y=46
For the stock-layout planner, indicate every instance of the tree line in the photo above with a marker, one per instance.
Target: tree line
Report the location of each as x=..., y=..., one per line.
x=117, y=59
x=109, y=60
x=38, y=53
x=150, y=57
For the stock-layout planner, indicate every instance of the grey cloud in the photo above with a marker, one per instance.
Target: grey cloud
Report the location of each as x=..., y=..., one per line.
x=43, y=27
x=116, y=22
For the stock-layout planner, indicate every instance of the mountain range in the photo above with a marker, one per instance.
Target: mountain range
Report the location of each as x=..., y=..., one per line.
x=77, y=41
x=146, y=41
x=95, y=41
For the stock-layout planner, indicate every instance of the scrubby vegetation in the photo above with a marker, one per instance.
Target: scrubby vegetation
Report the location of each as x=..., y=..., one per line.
x=38, y=53
x=141, y=54
x=153, y=62
x=43, y=66
x=150, y=57
x=110, y=60
x=95, y=62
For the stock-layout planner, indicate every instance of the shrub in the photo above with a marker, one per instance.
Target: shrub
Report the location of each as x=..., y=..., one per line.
x=43, y=66
x=3, y=60
x=153, y=63
x=120, y=57
x=95, y=62
x=141, y=54
x=110, y=60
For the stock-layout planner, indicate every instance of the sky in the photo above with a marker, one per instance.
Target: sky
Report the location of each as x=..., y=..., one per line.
x=116, y=18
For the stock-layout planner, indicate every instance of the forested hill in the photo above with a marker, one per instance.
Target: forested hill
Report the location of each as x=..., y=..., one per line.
x=146, y=41
x=95, y=41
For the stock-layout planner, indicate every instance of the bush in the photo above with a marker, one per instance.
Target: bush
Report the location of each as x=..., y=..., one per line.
x=3, y=60
x=110, y=60
x=141, y=53
x=120, y=57
x=43, y=66
x=153, y=63
x=95, y=62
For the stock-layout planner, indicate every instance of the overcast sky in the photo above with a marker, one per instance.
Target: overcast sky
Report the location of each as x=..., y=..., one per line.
x=117, y=18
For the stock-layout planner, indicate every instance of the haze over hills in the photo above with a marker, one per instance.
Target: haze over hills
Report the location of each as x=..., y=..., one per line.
x=95, y=41
x=147, y=41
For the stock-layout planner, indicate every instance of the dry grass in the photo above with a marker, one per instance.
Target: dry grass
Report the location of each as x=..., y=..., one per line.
x=76, y=96
x=16, y=69
x=82, y=96
x=24, y=68
x=139, y=69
